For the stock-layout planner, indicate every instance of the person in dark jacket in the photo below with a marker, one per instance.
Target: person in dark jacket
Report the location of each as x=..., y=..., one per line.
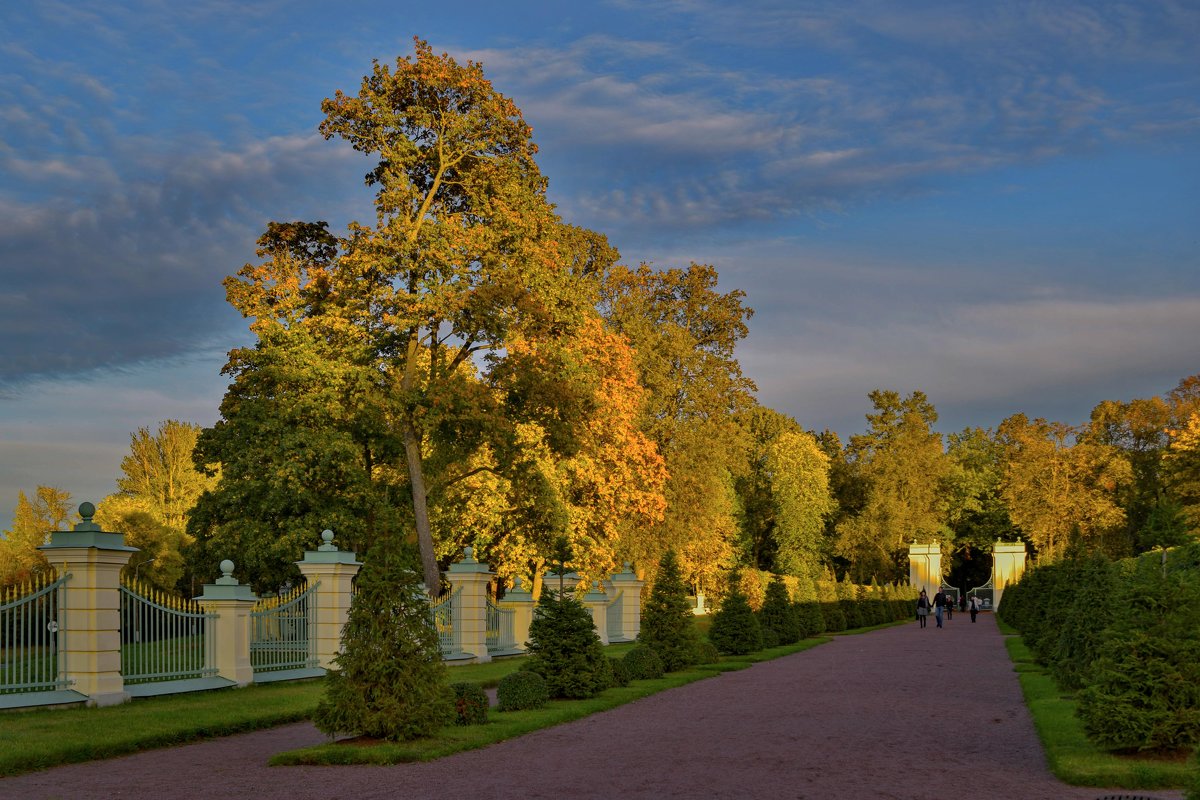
x=939, y=606
x=923, y=608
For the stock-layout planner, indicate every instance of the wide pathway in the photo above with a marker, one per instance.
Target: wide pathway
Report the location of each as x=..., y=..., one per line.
x=896, y=713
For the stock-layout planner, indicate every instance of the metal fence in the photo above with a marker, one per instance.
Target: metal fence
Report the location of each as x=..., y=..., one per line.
x=441, y=614
x=614, y=618
x=500, y=635
x=985, y=593
x=283, y=631
x=30, y=660
x=163, y=636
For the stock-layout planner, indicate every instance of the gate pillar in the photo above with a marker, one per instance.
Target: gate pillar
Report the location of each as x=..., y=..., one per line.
x=925, y=566
x=1008, y=564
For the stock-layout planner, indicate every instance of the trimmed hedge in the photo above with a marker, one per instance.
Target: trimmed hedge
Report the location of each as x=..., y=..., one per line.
x=470, y=704
x=521, y=690
x=643, y=663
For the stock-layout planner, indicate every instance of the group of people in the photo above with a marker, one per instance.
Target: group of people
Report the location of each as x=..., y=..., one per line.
x=943, y=606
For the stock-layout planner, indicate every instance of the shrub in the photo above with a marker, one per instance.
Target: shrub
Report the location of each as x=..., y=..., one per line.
x=1143, y=691
x=1089, y=608
x=1193, y=790
x=810, y=618
x=778, y=615
x=565, y=648
x=835, y=620
x=735, y=629
x=470, y=703
x=521, y=690
x=706, y=652
x=620, y=672
x=643, y=662
x=846, y=595
x=667, y=624
x=390, y=682
x=769, y=637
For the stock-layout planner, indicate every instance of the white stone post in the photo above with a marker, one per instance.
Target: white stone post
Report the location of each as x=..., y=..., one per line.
x=232, y=602
x=1008, y=564
x=470, y=579
x=521, y=603
x=333, y=571
x=596, y=603
x=925, y=567
x=626, y=585
x=89, y=625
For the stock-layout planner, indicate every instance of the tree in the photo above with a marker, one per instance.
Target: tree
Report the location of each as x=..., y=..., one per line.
x=977, y=514
x=390, y=682
x=799, y=473
x=905, y=469
x=1057, y=490
x=1183, y=468
x=32, y=525
x=667, y=625
x=375, y=351
x=684, y=332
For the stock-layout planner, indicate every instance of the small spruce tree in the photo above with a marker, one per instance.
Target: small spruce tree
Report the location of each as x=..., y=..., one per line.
x=778, y=614
x=390, y=682
x=565, y=648
x=735, y=628
x=667, y=624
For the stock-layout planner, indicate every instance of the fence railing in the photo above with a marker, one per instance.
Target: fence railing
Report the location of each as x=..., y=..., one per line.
x=30, y=660
x=283, y=631
x=442, y=615
x=613, y=619
x=164, y=637
x=500, y=635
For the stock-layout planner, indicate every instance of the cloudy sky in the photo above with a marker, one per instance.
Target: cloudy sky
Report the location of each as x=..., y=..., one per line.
x=995, y=203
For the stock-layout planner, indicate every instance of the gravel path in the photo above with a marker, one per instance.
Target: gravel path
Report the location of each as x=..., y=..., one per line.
x=855, y=718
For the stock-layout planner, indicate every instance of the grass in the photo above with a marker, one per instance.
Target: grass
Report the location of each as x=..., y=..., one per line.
x=1071, y=755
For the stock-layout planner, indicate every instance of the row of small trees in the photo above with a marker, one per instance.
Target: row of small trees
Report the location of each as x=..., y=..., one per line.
x=1126, y=635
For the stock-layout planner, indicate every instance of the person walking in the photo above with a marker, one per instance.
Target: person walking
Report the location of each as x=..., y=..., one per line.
x=974, y=606
x=949, y=607
x=923, y=608
x=939, y=606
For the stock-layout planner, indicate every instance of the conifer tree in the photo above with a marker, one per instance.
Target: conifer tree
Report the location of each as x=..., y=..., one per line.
x=565, y=649
x=390, y=682
x=778, y=613
x=667, y=625
x=735, y=629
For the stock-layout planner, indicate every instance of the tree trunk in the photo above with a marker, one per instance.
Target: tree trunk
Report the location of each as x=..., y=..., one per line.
x=416, y=477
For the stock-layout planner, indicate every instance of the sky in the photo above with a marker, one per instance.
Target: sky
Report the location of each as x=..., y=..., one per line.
x=997, y=204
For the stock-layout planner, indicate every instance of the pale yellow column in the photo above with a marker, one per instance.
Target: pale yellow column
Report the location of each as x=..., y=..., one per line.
x=89, y=624
x=333, y=571
x=521, y=602
x=626, y=585
x=469, y=581
x=925, y=567
x=1008, y=564
x=232, y=602
x=596, y=602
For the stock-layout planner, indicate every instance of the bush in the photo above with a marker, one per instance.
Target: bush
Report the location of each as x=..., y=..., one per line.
x=847, y=598
x=565, y=648
x=735, y=629
x=1143, y=691
x=667, y=624
x=521, y=690
x=390, y=682
x=643, y=662
x=470, y=703
x=835, y=620
x=769, y=637
x=810, y=618
x=1193, y=791
x=1089, y=609
x=778, y=615
x=706, y=652
x=620, y=672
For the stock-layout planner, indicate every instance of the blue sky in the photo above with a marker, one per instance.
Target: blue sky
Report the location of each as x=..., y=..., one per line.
x=993, y=203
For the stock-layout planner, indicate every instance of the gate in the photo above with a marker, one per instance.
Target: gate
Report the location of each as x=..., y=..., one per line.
x=986, y=595
x=500, y=637
x=164, y=637
x=283, y=632
x=442, y=616
x=614, y=619
x=30, y=660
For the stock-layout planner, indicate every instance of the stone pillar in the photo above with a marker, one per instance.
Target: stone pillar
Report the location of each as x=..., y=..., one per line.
x=470, y=606
x=232, y=602
x=89, y=625
x=925, y=567
x=521, y=602
x=333, y=571
x=625, y=584
x=596, y=603
x=1008, y=564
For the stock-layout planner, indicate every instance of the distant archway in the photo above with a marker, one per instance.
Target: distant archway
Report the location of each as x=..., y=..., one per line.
x=925, y=571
